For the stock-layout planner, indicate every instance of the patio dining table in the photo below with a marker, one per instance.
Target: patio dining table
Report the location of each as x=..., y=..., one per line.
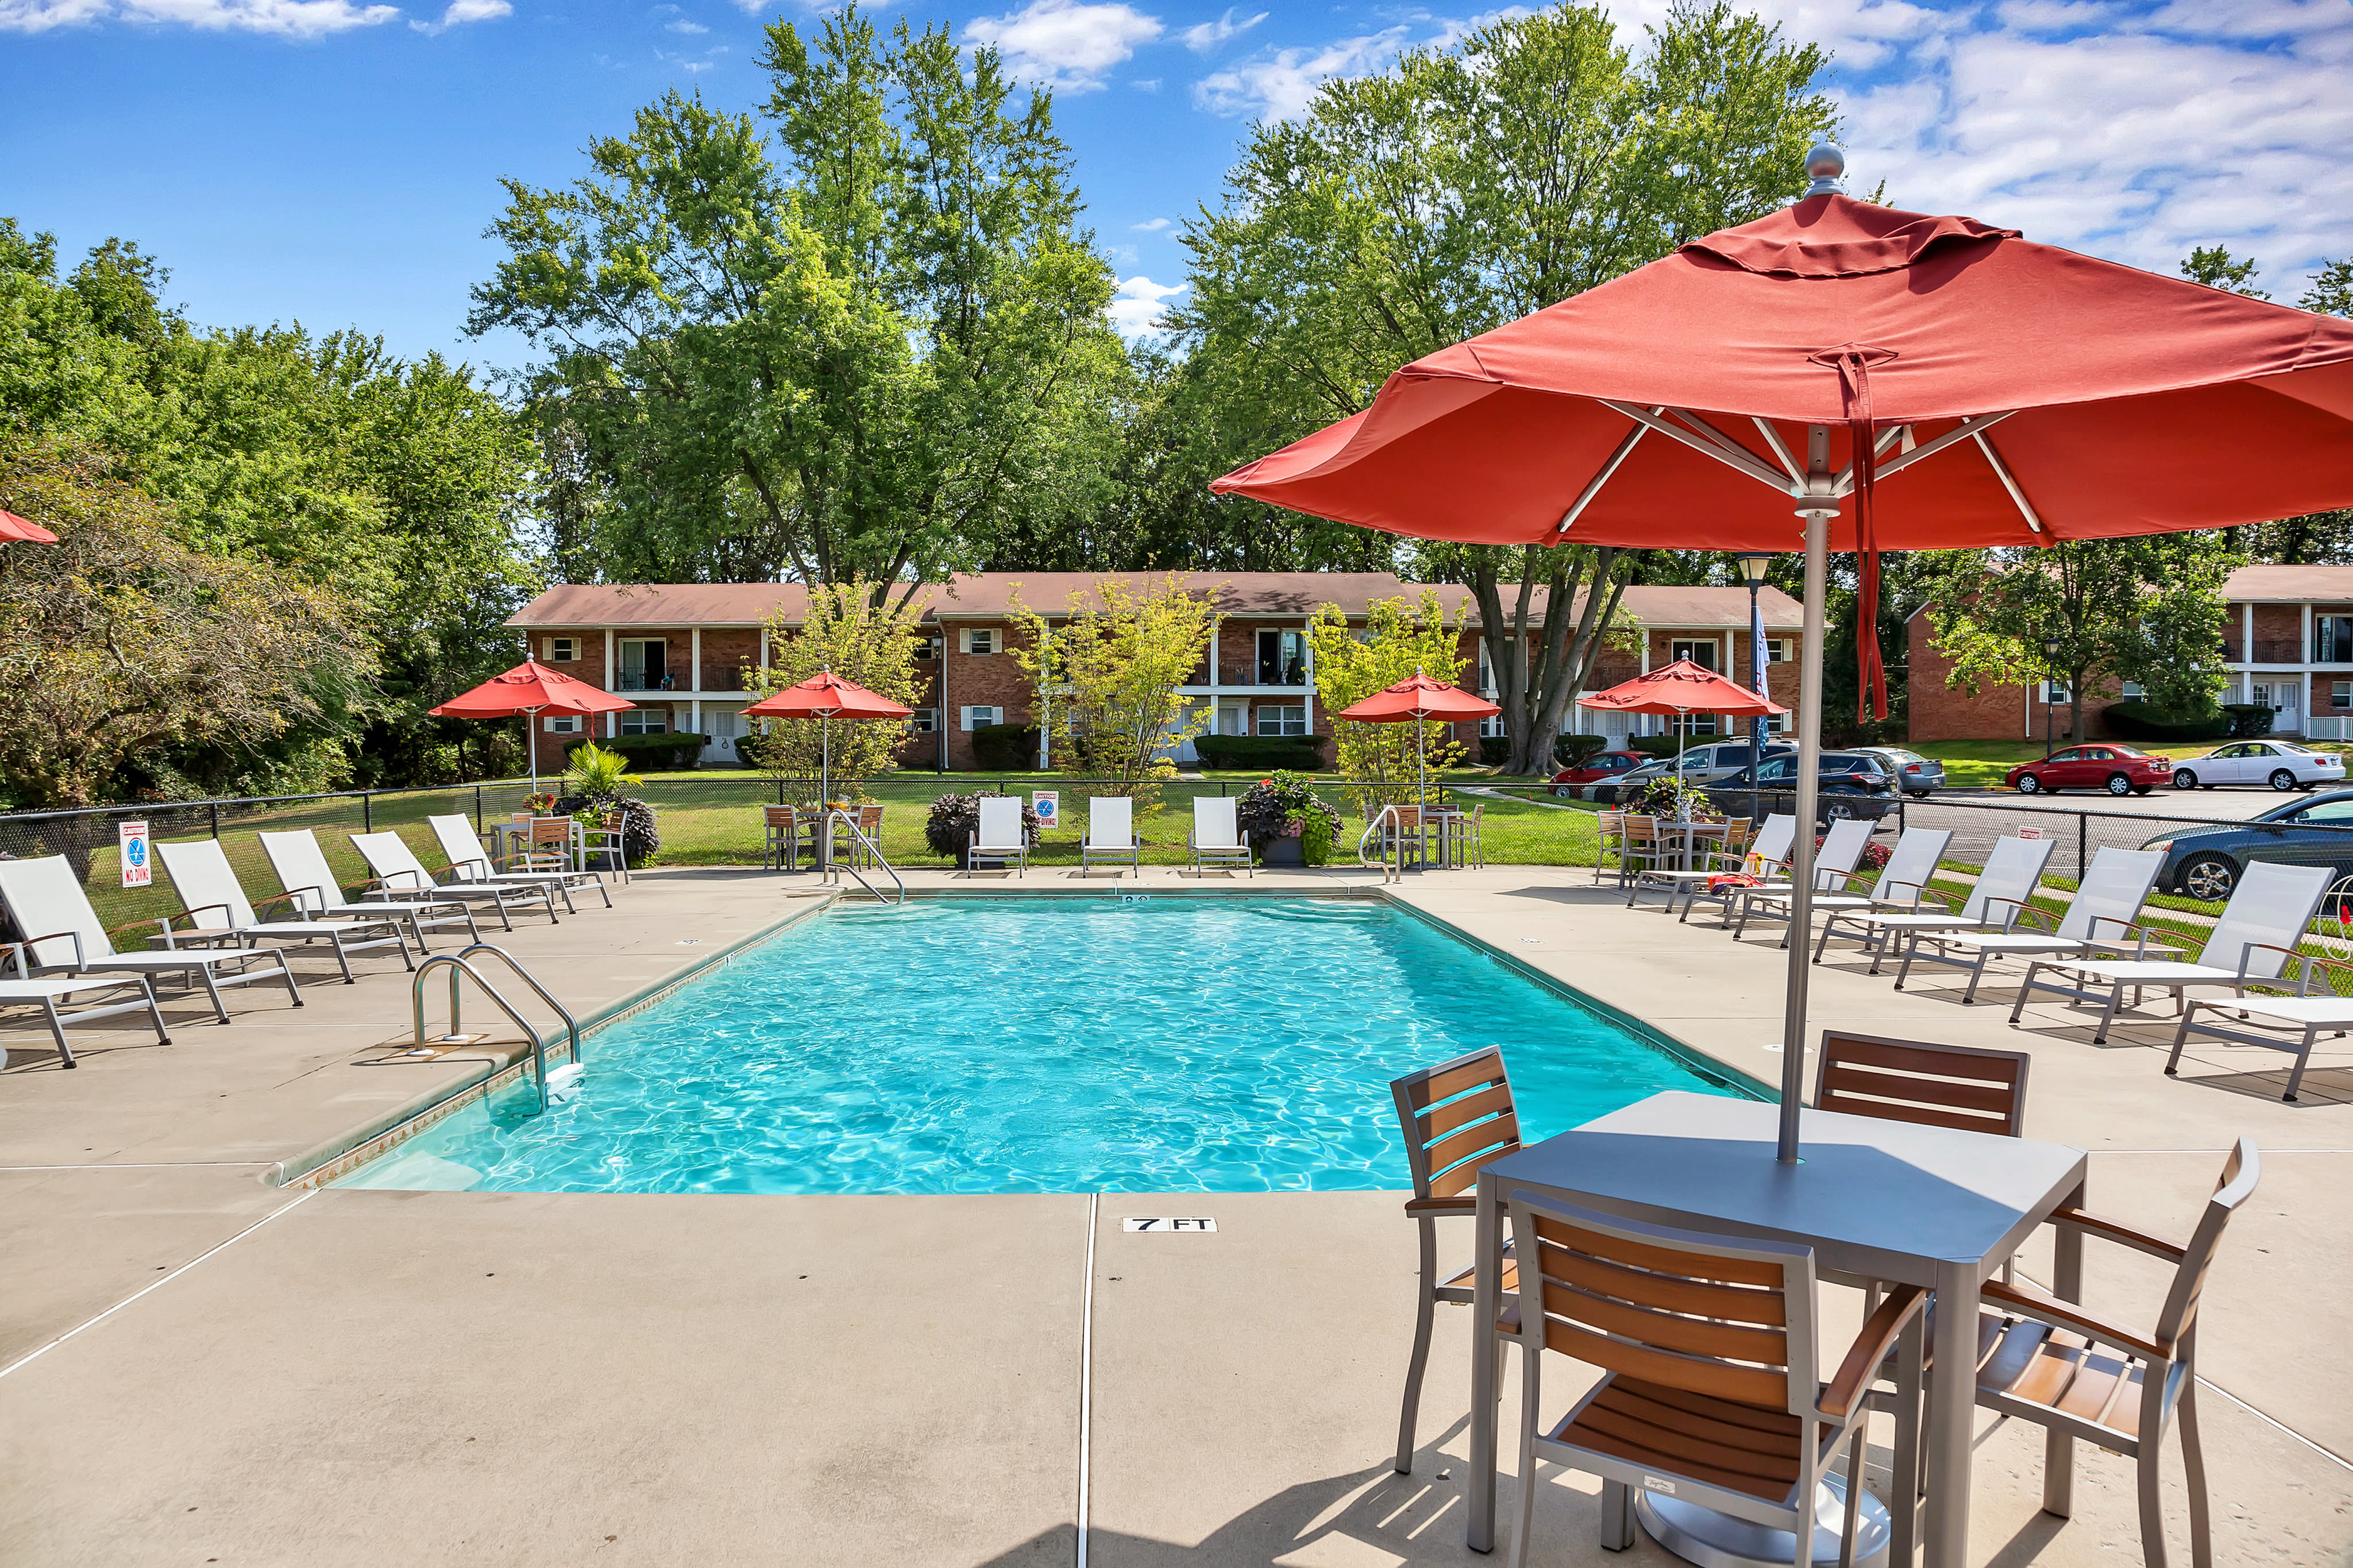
x=1887, y=1201
x=1690, y=836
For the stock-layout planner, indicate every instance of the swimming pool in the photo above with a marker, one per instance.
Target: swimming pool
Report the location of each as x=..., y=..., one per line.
x=1163, y=1044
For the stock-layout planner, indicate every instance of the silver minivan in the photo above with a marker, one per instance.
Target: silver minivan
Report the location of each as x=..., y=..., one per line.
x=1703, y=764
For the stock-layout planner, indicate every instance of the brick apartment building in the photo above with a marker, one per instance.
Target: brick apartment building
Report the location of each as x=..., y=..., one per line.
x=2287, y=643
x=681, y=650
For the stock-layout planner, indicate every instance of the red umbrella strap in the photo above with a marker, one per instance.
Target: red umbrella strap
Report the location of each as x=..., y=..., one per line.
x=1855, y=363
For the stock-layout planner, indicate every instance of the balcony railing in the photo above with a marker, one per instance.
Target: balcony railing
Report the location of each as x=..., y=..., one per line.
x=643, y=681
x=2272, y=651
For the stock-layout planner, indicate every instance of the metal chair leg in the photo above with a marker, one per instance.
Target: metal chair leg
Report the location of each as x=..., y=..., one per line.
x=1426, y=1308
x=1617, y=1517
x=2193, y=1464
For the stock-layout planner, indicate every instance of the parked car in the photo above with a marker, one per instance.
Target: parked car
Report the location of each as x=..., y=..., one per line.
x=2282, y=764
x=2206, y=862
x=1596, y=769
x=1853, y=784
x=1918, y=776
x=1701, y=764
x=2117, y=769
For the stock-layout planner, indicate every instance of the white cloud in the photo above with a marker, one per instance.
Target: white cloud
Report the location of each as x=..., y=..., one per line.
x=1135, y=305
x=461, y=11
x=1153, y=225
x=284, y=18
x=1278, y=84
x=1063, y=45
x=41, y=15
x=1208, y=36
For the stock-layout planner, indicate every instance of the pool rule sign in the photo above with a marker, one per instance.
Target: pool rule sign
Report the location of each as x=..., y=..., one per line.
x=1187, y=1227
x=132, y=839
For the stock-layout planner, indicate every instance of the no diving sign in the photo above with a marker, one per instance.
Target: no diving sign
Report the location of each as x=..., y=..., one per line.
x=1192, y=1226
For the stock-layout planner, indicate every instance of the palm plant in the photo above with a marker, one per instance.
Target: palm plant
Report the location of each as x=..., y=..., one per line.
x=597, y=775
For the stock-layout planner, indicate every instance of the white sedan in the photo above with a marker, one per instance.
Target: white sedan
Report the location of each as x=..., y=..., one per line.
x=2282, y=764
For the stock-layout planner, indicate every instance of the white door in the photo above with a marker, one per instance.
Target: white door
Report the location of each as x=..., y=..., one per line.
x=722, y=725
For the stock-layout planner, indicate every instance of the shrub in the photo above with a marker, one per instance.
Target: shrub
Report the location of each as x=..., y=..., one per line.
x=1669, y=795
x=1286, y=807
x=1495, y=751
x=2249, y=718
x=1004, y=747
x=1875, y=854
x=1651, y=745
x=1243, y=752
x=955, y=819
x=657, y=752
x=2133, y=719
x=1572, y=751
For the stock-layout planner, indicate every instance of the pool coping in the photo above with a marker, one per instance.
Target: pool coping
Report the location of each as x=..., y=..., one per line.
x=329, y=1162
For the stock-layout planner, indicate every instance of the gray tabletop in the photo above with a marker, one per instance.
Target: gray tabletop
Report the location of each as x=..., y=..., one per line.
x=1887, y=1199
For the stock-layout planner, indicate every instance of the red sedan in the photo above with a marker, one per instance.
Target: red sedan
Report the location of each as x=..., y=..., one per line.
x=1594, y=769
x=2119, y=770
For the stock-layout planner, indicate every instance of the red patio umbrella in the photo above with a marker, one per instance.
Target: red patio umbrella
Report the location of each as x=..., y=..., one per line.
x=1763, y=373
x=1414, y=699
x=826, y=697
x=1681, y=688
x=24, y=529
x=529, y=690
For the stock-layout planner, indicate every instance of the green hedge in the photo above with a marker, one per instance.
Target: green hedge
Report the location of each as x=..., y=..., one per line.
x=653, y=752
x=2133, y=719
x=1004, y=747
x=1301, y=752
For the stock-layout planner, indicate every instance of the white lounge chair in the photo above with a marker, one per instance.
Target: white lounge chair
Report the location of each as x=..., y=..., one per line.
x=2260, y=926
x=212, y=897
x=47, y=993
x=2298, y=1021
x=63, y=936
x=2011, y=873
x=2099, y=916
x=1834, y=862
x=1767, y=857
x=1901, y=890
x=400, y=875
x=304, y=874
x=470, y=863
x=1000, y=835
x=1217, y=839
x=1111, y=835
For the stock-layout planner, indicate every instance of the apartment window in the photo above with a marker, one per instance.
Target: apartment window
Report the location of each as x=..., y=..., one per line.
x=562, y=650
x=2132, y=691
x=2333, y=639
x=563, y=724
x=927, y=647
x=1492, y=728
x=980, y=640
x=1690, y=723
x=923, y=722
x=1777, y=650
x=1701, y=652
x=1282, y=719
x=645, y=721
x=974, y=717
x=1281, y=661
x=644, y=665
x=2055, y=692
x=2340, y=694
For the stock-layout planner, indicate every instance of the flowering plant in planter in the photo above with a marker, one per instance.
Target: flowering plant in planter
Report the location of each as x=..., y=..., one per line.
x=1285, y=806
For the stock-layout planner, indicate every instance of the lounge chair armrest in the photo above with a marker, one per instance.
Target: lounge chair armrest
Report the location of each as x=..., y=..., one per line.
x=1879, y=894
x=2031, y=1304
x=2247, y=956
x=2023, y=911
x=2116, y=1231
x=1930, y=895
x=2143, y=938
x=294, y=898
x=1870, y=1349
x=1462, y=1202
x=2308, y=962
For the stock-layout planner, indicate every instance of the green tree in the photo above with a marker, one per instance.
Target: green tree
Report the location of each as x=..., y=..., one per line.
x=869, y=641
x=2331, y=289
x=862, y=352
x=1397, y=641
x=1466, y=188
x=2215, y=267
x=2147, y=610
x=1106, y=675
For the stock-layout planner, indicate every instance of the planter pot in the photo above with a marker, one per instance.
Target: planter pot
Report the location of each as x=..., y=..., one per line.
x=1285, y=851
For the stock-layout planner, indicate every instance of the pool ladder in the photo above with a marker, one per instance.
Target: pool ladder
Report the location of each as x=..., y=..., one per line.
x=831, y=868
x=457, y=964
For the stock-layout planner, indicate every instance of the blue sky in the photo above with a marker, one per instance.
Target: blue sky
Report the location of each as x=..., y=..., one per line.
x=334, y=161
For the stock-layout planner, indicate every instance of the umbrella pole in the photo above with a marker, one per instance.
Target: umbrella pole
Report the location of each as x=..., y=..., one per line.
x=1810, y=762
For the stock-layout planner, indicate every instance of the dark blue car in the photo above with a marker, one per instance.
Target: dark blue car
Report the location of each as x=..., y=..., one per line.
x=2206, y=862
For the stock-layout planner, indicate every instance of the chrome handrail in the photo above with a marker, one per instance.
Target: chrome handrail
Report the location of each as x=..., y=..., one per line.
x=457, y=964
x=827, y=865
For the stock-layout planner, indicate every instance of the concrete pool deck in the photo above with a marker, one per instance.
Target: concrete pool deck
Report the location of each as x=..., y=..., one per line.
x=255, y=1374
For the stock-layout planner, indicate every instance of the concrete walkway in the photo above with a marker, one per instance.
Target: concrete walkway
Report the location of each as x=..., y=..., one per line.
x=199, y=1366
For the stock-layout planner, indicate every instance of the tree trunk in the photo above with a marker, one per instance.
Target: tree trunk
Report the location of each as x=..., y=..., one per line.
x=1535, y=693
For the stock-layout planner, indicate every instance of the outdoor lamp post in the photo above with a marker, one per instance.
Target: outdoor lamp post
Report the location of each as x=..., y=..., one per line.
x=1752, y=564
x=2050, y=672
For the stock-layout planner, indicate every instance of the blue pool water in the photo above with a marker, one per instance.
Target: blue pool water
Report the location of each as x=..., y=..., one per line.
x=984, y=1046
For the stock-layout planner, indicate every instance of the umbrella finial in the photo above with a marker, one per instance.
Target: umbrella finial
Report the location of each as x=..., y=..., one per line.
x=1826, y=165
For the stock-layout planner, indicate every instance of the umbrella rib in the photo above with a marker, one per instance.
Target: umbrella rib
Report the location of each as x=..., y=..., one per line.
x=2001, y=470
x=1593, y=486
x=1730, y=454
x=1772, y=435
x=1961, y=432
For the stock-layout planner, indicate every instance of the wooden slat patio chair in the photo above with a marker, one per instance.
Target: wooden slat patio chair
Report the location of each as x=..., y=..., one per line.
x=1709, y=1393
x=785, y=837
x=1609, y=831
x=1456, y=1117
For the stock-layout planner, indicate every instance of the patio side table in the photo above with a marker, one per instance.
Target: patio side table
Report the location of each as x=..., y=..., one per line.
x=1876, y=1200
